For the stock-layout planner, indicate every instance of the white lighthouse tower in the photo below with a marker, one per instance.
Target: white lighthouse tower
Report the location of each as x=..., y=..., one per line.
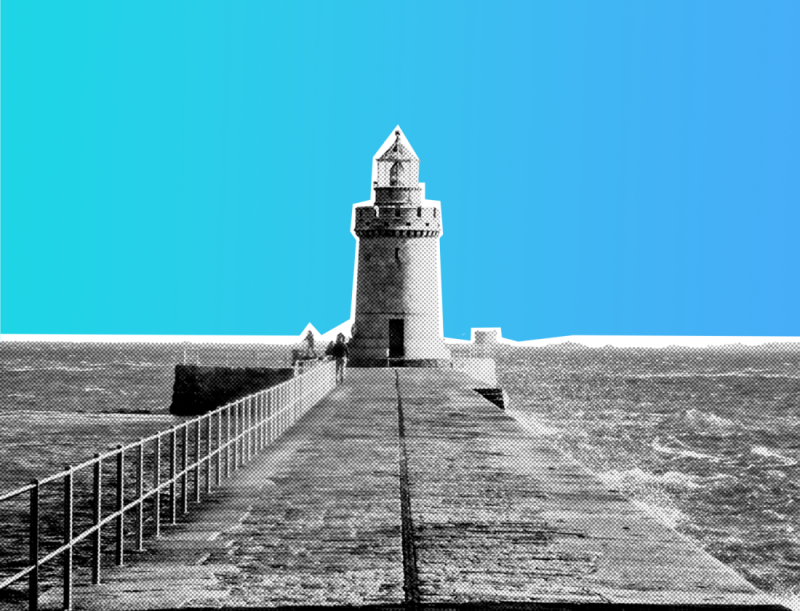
x=397, y=303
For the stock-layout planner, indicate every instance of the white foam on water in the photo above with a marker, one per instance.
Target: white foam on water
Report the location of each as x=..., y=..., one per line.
x=681, y=452
x=767, y=453
x=708, y=424
x=669, y=516
x=533, y=425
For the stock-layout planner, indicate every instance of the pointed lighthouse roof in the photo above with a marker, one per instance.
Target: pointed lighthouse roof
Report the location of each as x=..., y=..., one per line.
x=396, y=148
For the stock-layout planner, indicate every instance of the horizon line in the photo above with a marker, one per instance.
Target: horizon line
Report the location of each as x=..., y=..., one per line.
x=590, y=341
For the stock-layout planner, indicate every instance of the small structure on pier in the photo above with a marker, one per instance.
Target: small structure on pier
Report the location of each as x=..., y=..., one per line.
x=397, y=305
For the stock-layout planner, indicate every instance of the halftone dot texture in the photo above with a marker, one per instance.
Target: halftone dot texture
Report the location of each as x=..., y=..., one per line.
x=405, y=485
x=398, y=283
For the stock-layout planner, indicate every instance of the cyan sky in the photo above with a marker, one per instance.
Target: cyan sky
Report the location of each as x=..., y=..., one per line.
x=603, y=167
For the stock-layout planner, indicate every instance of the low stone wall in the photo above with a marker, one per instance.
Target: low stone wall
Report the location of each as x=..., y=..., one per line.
x=199, y=390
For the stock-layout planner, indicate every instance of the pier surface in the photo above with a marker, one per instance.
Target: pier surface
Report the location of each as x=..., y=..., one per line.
x=407, y=488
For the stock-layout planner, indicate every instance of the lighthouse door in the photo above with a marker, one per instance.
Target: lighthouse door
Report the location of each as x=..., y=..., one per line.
x=397, y=348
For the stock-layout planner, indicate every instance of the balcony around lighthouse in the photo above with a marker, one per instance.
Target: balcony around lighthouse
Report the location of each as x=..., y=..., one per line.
x=408, y=221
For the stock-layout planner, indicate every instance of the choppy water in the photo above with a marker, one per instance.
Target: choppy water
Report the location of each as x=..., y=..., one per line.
x=709, y=440
x=61, y=403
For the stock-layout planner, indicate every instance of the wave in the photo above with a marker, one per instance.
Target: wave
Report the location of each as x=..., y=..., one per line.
x=703, y=423
x=651, y=493
x=69, y=369
x=533, y=424
x=21, y=395
x=742, y=373
x=670, y=516
x=772, y=454
x=82, y=367
x=104, y=391
x=138, y=364
x=681, y=452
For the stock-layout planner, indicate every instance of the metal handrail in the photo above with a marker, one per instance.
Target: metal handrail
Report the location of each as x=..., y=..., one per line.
x=257, y=420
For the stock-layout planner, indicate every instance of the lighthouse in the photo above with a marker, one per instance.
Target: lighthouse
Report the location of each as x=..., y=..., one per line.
x=397, y=305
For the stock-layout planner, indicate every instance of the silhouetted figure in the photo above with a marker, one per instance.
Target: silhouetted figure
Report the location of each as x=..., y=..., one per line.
x=340, y=353
x=309, y=339
x=329, y=349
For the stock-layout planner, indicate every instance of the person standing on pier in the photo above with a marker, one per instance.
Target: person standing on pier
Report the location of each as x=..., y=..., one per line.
x=340, y=353
x=309, y=339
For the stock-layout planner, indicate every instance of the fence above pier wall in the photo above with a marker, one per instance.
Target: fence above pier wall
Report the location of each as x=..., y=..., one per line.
x=150, y=481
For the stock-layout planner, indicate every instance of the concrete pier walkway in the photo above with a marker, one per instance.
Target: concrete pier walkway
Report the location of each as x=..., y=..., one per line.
x=407, y=488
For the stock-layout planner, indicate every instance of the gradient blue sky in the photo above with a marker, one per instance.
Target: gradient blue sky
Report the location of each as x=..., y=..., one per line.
x=603, y=167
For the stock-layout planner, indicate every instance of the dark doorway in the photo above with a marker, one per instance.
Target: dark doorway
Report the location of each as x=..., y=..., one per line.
x=397, y=347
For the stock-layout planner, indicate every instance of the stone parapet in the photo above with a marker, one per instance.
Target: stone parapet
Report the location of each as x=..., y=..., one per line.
x=407, y=221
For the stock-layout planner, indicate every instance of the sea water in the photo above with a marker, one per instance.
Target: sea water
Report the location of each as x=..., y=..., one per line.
x=707, y=440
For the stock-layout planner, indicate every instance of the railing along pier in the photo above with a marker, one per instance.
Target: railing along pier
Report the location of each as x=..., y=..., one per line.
x=223, y=441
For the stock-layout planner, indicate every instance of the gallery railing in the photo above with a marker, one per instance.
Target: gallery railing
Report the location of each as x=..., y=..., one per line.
x=201, y=449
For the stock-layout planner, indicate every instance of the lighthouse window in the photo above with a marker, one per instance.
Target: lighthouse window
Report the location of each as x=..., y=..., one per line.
x=395, y=174
x=397, y=211
x=397, y=253
x=434, y=213
x=419, y=211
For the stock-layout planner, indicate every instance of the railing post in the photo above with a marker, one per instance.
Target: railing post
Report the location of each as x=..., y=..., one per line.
x=234, y=439
x=266, y=418
x=173, y=487
x=139, y=495
x=219, y=448
x=33, y=556
x=270, y=424
x=256, y=424
x=253, y=426
x=265, y=406
x=239, y=430
x=239, y=439
x=97, y=514
x=184, y=469
x=208, y=454
x=228, y=448
x=274, y=403
x=246, y=420
x=67, y=568
x=261, y=421
x=120, y=521
x=197, y=463
x=245, y=433
x=248, y=405
x=157, y=482
x=278, y=410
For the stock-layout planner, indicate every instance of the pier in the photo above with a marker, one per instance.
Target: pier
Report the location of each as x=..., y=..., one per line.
x=406, y=488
